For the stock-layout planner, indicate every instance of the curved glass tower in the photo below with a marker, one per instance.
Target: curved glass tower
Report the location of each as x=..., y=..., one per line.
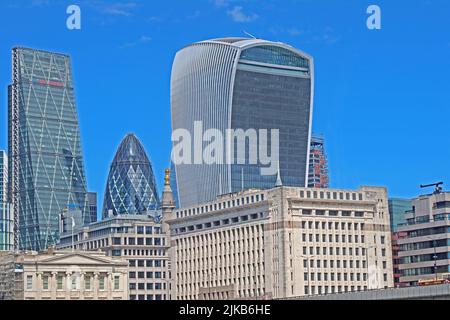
x=131, y=186
x=237, y=83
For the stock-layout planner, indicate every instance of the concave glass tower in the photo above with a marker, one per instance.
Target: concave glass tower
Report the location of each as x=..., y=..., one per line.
x=131, y=186
x=237, y=83
x=46, y=163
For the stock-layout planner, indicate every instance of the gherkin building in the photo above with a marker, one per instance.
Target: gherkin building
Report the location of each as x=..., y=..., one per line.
x=131, y=186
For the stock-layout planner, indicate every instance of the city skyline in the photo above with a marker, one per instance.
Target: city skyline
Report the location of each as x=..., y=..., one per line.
x=371, y=157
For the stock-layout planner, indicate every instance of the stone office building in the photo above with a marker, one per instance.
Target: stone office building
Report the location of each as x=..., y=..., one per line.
x=63, y=275
x=140, y=240
x=281, y=243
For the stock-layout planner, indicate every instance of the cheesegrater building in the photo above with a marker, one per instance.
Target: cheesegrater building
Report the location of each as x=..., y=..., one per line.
x=46, y=164
x=238, y=83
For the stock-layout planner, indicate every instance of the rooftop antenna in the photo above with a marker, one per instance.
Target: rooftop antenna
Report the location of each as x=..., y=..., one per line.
x=438, y=188
x=248, y=34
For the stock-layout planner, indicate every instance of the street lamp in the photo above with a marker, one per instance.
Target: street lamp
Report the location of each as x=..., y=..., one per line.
x=434, y=257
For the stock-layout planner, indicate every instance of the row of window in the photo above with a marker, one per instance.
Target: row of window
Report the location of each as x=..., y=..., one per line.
x=220, y=223
x=73, y=282
x=148, y=286
x=147, y=275
x=337, y=238
x=329, y=226
x=147, y=263
x=139, y=241
x=329, y=195
x=220, y=206
x=134, y=252
x=332, y=213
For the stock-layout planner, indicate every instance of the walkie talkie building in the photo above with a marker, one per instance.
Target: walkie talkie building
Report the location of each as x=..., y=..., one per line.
x=237, y=83
x=46, y=164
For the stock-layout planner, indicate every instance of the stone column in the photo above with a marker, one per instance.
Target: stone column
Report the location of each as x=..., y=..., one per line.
x=96, y=285
x=82, y=285
x=68, y=284
x=38, y=286
x=53, y=285
x=110, y=285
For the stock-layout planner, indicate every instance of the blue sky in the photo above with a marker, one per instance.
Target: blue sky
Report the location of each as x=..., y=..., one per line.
x=382, y=98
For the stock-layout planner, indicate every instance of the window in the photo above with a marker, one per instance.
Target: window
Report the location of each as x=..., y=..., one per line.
x=148, y=230
x=45, y=283
x=140, y=230
x=73, y=283
x=87, y=283
x=59, y=283
x=101, y=283
x=29, y=282
x=116, y=282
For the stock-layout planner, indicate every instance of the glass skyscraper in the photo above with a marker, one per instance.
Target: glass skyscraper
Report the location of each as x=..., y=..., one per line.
x=237, y=83
x=46, y=163
x=131, y=186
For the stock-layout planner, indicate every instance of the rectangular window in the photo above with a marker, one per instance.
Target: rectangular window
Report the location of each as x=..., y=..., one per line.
x=29, y=282
x=87, y=283
x=45, y=283
x=101, y=283
x=59, y=283
x=116, y=282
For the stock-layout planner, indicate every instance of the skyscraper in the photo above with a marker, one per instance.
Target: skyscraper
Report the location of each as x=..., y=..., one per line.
x=131, y=186
x=92, y=201
x=46, y=163
x=237, y=83
x=318, y=164
x=6, y=221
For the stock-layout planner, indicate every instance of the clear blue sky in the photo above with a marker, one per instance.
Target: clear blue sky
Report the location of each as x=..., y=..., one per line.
x=382, y=98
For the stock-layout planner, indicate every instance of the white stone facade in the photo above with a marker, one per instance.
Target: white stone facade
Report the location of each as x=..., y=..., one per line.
x=281, y=243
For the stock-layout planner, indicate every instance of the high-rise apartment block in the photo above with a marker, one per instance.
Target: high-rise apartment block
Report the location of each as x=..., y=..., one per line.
x=242, y=84
x=424, y=251
x=6, y=220
x=318, y=164
x=45, y=157
x=140, y=240
x=283, y=242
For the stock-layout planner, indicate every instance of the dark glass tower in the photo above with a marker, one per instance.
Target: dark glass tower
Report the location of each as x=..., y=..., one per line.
x=236, y=83
x=46, y=164
x=131, y=186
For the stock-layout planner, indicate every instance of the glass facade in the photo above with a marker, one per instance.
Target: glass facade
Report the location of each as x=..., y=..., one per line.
x=131, y=186
x=397, y=210
x=46, y=163
x=270, y=87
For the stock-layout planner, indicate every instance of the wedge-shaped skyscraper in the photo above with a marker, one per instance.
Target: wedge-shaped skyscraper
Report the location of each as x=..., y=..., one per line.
x=131, y=186
x=236, y=83
x=46, y=164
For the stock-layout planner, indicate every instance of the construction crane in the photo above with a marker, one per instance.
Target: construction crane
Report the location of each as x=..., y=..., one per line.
x=438, y=188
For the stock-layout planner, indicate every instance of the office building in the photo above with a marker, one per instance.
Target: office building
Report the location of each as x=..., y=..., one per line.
x=92, y=202
x=397, y=212
x=318, y=164
x=6, y=221
x=45, y=160
x=248, y=85
x=424, y=251
x=63, y=275
x=280, y=243
x=131, y=186
x=140, y=240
